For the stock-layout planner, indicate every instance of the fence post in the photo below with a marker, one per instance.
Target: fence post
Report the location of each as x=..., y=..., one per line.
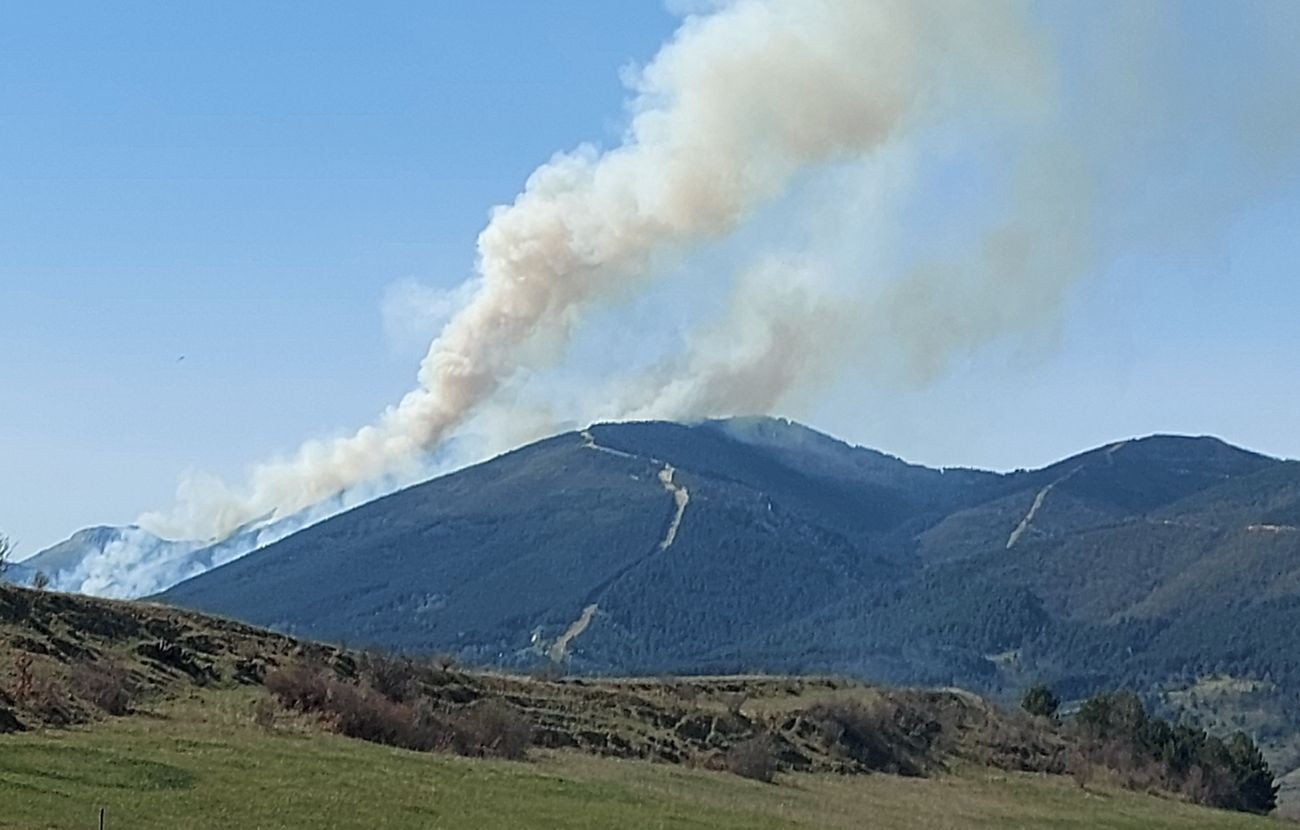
x=101, y=818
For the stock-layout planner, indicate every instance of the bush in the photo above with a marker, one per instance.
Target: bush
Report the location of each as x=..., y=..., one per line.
x=488, y=728
x=39, y=694
x=299, y=687
x=396, y=678
x=106, y=686
x=446, y=661
x=1040, y=701
x=493, y=728
x=363, y=713
x=1145, y=752
x=873, y=734
x=754, y=759
x=264, y=712
x=357, y=711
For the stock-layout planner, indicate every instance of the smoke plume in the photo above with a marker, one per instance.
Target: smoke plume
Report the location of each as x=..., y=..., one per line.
x=738, y=103
x=748, y=102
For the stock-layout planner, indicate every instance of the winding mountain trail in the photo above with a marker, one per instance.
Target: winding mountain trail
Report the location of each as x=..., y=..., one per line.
x=560, y=648
x=681, y=497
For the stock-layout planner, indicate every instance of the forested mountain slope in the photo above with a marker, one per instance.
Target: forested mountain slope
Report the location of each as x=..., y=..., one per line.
x=760, y=544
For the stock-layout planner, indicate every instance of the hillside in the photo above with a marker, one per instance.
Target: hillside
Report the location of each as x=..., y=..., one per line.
x=200, y=715
x=758, y=544
x=761, y=544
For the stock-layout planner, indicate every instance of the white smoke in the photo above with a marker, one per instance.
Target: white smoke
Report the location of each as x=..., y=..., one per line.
x=748, y=100
x=733, y=107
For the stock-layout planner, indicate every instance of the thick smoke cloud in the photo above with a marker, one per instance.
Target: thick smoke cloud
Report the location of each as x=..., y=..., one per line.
x=747, y=101
x=734, y=106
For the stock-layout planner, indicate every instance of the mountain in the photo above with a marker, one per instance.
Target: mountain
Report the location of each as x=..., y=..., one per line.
x=1167, y=564
x=761, y=543
x=91, y=561
x=126, y=562
x=608, y=517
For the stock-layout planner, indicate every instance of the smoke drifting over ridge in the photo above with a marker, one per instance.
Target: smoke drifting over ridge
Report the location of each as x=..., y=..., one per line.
x=744, y=103
x=734, y=106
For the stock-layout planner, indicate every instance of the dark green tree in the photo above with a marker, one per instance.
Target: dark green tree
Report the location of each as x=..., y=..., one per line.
x=1256, y=790
x=1112, y=715
x=1039, y=700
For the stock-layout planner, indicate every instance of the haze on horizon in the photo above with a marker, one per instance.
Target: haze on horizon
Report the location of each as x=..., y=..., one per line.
x=225, y=231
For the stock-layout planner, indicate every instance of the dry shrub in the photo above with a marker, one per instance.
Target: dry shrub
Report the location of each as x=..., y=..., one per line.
x=445, y=661
x=39, y=693
x=357, y=711
x=488, y=728
x=363, y=713
x=493, y=728
x=264, y=713
x=754, y=758
x=300, y=687
x=1079, y=766
x=106, y=686
x=877, y=734
x=396, y=678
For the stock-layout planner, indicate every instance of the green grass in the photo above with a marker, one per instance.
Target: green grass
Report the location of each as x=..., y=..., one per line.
x=203, y=764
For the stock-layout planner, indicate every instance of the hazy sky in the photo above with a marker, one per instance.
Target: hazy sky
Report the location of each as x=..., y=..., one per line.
x=203, y=208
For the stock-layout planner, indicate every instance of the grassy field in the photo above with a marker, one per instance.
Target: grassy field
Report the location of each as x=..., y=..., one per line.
x=202, y=763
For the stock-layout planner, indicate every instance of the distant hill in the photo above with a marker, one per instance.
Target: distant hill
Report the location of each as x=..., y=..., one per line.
x=126, y=562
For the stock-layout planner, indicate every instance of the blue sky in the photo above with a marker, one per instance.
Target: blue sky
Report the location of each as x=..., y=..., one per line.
x=201, y=208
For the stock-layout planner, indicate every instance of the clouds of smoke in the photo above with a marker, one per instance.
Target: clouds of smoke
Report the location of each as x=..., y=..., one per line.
x=1147, y=142
x=734, y=106
x=772, y=339
x=748, y=98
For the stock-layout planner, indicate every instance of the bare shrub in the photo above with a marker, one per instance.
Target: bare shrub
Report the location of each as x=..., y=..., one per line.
x=299, y=687
x=1079, y=766
x=106, y=686
x=493, y=728
x=754, y=758
x=876, y=734
x=39, y=693
x=396, y=678
x=358, y=711
x=264, y=713
x=366, y=714
x=445, y=661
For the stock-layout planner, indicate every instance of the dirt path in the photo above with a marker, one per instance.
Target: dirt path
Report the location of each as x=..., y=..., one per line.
x=560, y=648
x=681, y=497
x=1029, y=517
